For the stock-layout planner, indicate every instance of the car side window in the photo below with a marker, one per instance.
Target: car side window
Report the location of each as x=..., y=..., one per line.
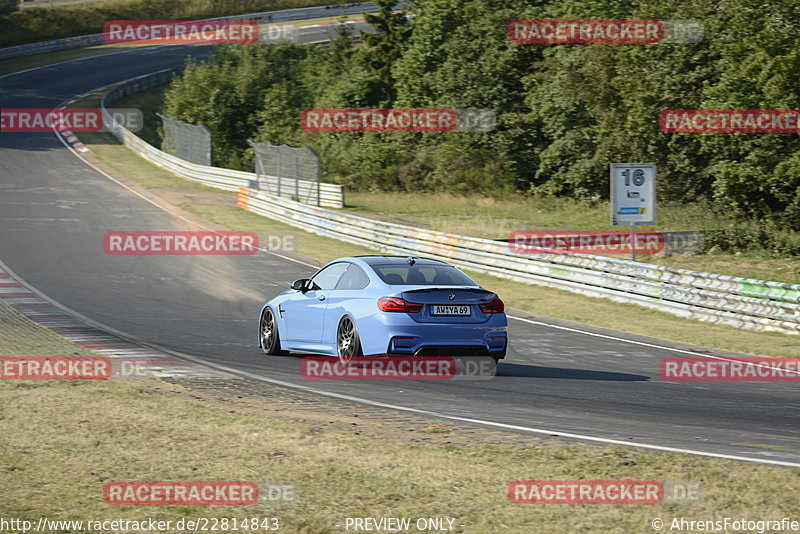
x=328, y=277
x=353, y=278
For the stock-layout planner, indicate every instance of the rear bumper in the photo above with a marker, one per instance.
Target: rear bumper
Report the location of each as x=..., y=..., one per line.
x=495, y=348
x=447, y=340
x=398, y=334
x=451, y=350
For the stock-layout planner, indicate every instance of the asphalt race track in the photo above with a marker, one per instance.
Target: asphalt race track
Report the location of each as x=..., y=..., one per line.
x=55, y=209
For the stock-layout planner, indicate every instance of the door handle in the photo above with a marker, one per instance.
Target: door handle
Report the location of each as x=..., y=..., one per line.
x=321, y=297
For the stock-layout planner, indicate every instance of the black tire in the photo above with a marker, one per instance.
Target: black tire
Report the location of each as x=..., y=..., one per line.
x=348, y=344
x=268, y=331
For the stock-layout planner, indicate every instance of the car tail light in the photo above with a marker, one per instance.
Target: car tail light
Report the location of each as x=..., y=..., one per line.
x=495, y=306
x=397, y=304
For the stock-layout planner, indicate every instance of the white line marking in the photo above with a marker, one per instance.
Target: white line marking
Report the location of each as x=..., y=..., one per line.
x=76, y=60
x=652, y=345
x=368, y=402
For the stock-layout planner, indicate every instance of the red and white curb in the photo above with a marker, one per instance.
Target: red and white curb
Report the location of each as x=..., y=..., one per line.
x=134, y=359
x=72, y=139
x=68, y=135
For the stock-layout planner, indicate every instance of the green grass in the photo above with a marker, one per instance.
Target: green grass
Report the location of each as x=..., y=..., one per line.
x=149, y=430
x=20, y=336
x=492, y=218
x=149, y=103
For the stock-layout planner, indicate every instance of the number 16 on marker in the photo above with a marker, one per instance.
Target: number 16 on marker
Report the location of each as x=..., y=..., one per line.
x=633, y=193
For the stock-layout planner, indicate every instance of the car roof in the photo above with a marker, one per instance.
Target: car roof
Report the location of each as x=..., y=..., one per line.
x=400, y=260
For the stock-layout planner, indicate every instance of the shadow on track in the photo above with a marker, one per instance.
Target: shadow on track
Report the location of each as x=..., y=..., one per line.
x=535, y=371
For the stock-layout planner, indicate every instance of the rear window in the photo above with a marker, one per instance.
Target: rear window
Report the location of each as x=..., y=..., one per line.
x=423, y=275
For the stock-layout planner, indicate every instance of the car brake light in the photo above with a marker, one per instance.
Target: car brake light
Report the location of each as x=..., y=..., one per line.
x=396, y=304
x=495, y=306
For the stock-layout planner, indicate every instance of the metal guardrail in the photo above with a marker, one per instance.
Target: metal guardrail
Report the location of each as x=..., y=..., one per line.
x=740, y=302
x=264, y=17
x=330, y=195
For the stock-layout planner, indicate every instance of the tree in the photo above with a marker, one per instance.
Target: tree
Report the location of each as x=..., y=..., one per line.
x=8, y=6
x=383, y=48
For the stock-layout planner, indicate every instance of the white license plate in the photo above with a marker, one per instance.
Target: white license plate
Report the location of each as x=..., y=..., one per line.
x=451, y=310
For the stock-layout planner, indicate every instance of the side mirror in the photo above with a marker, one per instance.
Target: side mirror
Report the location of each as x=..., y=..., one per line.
x=300, y=285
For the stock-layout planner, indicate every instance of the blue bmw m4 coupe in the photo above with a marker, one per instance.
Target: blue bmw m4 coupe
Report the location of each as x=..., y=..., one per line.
x=385, y=305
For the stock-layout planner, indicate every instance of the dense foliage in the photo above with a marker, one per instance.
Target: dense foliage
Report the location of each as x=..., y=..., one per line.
x=8, y=6
x=564, y=111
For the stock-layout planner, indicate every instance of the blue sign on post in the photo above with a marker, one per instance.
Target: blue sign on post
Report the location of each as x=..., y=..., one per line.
x=628, y=211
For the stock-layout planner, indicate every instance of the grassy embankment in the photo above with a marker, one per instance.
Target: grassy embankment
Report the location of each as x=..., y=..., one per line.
x=62, y=441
